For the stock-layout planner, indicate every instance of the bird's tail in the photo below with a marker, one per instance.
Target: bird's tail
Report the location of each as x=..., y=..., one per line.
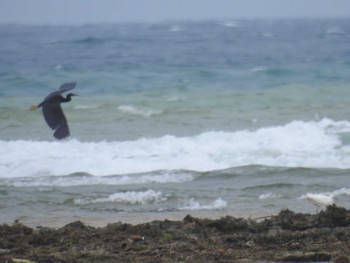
x=33, y=107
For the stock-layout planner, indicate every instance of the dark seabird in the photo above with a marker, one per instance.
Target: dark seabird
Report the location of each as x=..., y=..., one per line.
x=52, y=110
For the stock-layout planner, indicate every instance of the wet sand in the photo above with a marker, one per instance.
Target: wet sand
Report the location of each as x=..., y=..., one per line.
x=285, y=237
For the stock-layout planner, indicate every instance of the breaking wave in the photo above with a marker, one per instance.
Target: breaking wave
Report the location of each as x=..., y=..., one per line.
x=316, y=144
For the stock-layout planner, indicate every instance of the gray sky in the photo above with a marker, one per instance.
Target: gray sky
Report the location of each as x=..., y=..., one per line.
x=110, y=11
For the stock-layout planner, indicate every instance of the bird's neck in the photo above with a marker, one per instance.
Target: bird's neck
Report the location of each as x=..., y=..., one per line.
x=66, y=99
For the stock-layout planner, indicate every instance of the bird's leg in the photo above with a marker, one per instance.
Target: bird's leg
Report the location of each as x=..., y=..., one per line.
x=33, y=107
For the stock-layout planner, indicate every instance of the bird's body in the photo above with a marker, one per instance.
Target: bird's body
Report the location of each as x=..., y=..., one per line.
x=320, y=200
x=52, y=111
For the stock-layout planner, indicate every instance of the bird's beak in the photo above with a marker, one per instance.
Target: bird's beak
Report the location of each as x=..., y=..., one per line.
x=33, y=107
x=74, y=94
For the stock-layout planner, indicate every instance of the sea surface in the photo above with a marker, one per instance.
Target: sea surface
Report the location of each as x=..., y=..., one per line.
x=236, y=117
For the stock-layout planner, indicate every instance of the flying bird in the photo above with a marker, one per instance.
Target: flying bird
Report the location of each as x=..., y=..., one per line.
x=52, y=110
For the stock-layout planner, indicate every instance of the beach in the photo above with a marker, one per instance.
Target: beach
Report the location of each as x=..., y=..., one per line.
x=179, y=130
x=286, y=237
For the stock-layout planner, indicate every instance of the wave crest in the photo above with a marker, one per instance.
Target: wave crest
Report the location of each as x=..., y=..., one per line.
x=296, y=144
x=195, y=205
x=129, y=197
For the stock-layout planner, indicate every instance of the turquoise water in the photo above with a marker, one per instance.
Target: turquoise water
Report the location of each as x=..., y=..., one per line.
x=241, y=117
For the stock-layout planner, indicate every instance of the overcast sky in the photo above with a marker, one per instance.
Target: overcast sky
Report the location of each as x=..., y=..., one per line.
x=111, y=11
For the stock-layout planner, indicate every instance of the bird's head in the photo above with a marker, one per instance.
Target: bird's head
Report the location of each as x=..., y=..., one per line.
x=71, y=95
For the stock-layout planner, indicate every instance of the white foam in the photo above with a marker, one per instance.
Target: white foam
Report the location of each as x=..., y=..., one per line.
x=296, y=144
x=84, y=107
x=335, y=31
x=267, y=196
x=129, y=197
x=259, y=69
x=176, y=28
x=267, y=34
x=195, y=205
x=342, y=191
x=229, y=24
x=176, y=98
x=145, y=112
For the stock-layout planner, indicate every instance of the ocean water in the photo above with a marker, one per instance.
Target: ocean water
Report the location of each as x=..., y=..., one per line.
x=241, y=117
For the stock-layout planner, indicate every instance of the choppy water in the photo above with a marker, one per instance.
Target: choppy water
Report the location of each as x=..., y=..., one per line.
x=238, y=117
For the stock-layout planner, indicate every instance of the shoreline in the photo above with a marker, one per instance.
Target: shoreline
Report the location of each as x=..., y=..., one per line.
x=61, y=219
x=287, y=236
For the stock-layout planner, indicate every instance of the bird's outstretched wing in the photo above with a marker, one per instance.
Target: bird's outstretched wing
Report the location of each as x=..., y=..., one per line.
x=67, y=86
x=55, y=118
x=64, y=87
x=53, y=115
x=61, y=132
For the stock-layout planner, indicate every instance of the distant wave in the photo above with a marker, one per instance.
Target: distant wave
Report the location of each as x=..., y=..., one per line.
x=172, y=177
x=129, y=197
x=80, y=179
x=84, y=107
x=192, y=204
x=259, y=69
x=145, y=112
x=229, y=24
x=335, y=31
x=268, y=195
x=315, y=144
x=90, y=40
x=176, y=28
